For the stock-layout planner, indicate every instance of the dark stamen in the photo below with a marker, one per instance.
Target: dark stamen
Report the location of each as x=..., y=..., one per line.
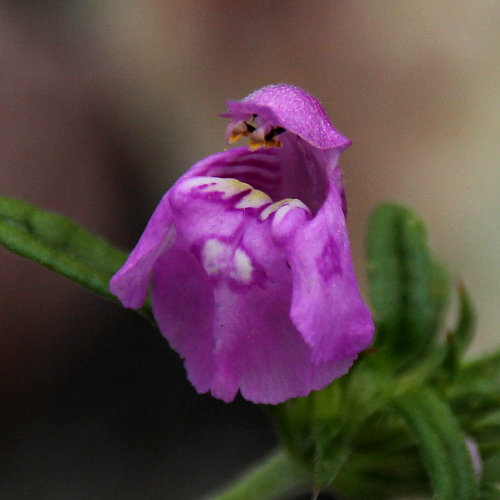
x=273, y=133
x=250, y=127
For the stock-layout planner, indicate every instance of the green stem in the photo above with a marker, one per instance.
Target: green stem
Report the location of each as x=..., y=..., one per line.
x=275, y=476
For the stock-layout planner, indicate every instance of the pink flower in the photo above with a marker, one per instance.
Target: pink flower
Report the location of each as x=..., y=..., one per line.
x=248, y=256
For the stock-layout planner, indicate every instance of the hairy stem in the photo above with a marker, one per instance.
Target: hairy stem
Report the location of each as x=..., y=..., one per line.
x=273, y=477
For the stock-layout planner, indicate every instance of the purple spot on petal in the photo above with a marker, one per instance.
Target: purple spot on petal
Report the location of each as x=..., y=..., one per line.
x=329, y=261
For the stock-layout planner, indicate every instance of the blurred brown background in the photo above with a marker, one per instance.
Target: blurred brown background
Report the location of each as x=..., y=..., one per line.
x=104, y=104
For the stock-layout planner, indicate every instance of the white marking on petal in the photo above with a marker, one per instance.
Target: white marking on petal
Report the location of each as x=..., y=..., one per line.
x=242, y=266
x=282, y=211
x=229, y=187
x=282, y=207
x=254, y=199
x=271, y=209
x=198, y=182
x=218, y=258
x=215, y=255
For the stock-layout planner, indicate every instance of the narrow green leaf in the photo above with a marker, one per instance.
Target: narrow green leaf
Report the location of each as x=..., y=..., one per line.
x=460, y=338
x=331, y=451
x=379, y=474
x=441, y=444
x=293, y=421
x=490, y=491
x=476, y=389
x=61, y=245
x=485, y=429
x=385, y=275
x=491, y=473
x=464, y=331
x=491, y=420
x=439, y=293
x=487, y=367
x=408, y=289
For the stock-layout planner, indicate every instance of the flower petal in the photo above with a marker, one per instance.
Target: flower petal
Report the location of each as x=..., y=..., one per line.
x=130, y=283
x=326, y=305
x=258, y=348
x=290, y=108
x=183, y=306
x=222, y=298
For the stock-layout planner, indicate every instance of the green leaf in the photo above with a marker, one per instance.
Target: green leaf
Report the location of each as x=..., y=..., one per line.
x=463, y=333
x=319, y=429
x=408, y=289
x=61, y=245
x=485, y=429
x=475, y=392
x=293, y=420
x=484, y=368
x=441, y=444
x=459, y=340
x=491, y=472
x=490, y=491
x=491, y=420
x=331, y=451
x=381, y=473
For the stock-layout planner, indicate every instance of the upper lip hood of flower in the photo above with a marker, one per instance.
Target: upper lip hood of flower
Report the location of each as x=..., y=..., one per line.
x=248, y=256
x=292, y=109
